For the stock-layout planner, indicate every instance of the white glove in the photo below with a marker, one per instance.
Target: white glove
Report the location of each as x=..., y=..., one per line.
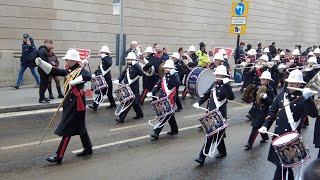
x=306, y=93
x=173, y=71
x=93, y=75
x=196, y=105
x=263, y=130
x=38, y=61
x=76, y=81
x=225, y=80
x=134, y=62
x=46, y=67
x=103, y=56
x=116, y=81
x=149, y=94
x=264, y=95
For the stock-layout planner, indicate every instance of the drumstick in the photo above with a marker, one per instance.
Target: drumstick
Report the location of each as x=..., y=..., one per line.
x=230, y=80
x=202, y=108
x=154, y=97
x=273, y=134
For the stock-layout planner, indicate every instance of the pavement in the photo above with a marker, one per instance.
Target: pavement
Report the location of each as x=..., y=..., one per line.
x=26, y=98
x=125, y=151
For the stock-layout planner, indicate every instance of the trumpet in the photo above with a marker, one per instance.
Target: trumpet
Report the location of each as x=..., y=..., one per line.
x=282, y=67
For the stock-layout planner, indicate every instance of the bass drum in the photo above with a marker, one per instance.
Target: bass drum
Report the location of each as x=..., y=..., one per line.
x=199, y=81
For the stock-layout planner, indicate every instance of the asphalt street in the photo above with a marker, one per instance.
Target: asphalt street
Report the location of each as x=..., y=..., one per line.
x=125, y=151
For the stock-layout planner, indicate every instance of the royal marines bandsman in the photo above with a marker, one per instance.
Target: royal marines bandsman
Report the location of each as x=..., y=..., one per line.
x=167, y=88
x=288, y=117
x=73, y=116
x=218, y=93
x=152, y=64
x=130, y=76
x=104, y=70
x=260, y=108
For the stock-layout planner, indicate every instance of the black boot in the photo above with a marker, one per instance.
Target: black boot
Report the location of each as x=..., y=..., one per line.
x=60, y=92
x=93, y=106
x=154, y=135
x=200, y=160
x=54, y=159
x=85, y=152
x=50, y=93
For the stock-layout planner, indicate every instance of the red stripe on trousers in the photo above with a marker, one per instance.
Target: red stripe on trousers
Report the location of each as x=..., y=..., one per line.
x=144, y=92
x=64, y=147
x=255, y=136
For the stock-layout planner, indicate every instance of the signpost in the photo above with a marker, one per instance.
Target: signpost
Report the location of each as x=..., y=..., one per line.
x=238, y=24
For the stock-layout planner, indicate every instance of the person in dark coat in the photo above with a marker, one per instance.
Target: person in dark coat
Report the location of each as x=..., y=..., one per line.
x=152, y=64
x=43, y=53
x=53, y=60
x=275, y=74
x=104, y=70
x=133, y=46
x=130, y=76
x=73, y=116
x=273, y=49
x=260, y=109
x=191, y=61
x=287, y=119
x=166, y=87
x=178, y=65
x=28, y=46
x=218, y=93
x=238, y=53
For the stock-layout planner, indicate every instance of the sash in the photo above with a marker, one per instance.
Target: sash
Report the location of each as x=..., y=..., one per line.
x=78, y=94
x=170, y=93
x=104, y=72
x=258, y=72
x=215, y=99
x=293, y=125
x=130, y=81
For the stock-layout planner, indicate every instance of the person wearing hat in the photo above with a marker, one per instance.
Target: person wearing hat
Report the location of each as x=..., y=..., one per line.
x=28, y=46
x=73, y=115
x=287, y=117
x=176, y=58
x=219, y=92
x=189, y=63
x=296, y=61
x=316, y=53
x=218, y=59
x=275, y=74
x=130, y=75
x=150, y=81
x=166, y=87
x=203, y=57
x=266, y=51
x=250, y=59
x=260, y=109
x=104, y=70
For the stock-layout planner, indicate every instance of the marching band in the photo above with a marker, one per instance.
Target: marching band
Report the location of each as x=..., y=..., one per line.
x=262, y=77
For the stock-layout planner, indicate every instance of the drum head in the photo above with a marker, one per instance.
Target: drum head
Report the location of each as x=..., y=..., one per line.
x=205, y=81
x=285, y=138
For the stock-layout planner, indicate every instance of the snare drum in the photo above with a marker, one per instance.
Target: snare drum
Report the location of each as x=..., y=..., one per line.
x=163, y=107
x=213, y=122
x=98, y=83
x=124, y=93
x=290, y=149
x=199, y=81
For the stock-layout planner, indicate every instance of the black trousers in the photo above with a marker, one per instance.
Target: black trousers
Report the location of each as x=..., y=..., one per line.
x=253, y=135
x=43, y=85
x=85, y=140
x=278, y=173
x=136, y=107
x=172, y=123
x=109, y=94
x=221, y=146
x=179, y=105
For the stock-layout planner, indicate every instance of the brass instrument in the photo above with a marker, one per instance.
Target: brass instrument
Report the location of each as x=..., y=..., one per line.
x=261, y=90
x=250, y=93
x=143, y=61
x=282, y=67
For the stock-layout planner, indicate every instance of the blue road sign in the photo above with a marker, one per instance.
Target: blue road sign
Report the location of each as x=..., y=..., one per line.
x=240, y=8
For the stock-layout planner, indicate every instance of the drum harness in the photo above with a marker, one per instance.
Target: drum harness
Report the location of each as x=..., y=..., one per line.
x=168, y=92
x=217, y=141
x=104, y=72
x=123, y=107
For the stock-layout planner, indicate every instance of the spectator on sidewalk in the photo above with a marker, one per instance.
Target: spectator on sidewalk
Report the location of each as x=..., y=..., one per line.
x=27, y=47
x=53, y=60
x=165, y=55
x=238, y=53
x=273, y=50
x=43, y=53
